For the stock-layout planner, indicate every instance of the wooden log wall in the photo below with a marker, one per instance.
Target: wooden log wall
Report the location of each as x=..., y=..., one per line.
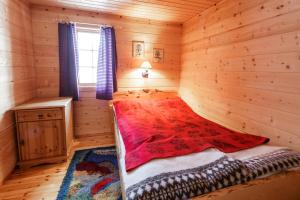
x=93, y=116
x=241, y=67
x=17, y=74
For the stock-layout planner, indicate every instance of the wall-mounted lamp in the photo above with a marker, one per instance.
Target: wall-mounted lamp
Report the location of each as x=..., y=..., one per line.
x=146, y=65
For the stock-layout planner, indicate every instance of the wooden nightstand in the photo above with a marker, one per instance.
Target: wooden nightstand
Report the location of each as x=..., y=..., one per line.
x=44, y=131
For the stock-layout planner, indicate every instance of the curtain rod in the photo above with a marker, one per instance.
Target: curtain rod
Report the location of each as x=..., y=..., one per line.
x=89, y=24
x=92, y=25
x=83, y=23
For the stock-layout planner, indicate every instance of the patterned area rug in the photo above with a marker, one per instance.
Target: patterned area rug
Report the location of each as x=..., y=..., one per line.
x=93, y=174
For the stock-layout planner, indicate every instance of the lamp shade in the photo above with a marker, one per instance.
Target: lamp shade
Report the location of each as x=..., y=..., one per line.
x=146, y=65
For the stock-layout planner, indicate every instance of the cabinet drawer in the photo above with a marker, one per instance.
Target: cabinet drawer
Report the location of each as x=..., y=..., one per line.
x=35, y=115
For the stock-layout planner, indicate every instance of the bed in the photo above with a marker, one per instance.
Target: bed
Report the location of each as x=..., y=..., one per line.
x=252, y=173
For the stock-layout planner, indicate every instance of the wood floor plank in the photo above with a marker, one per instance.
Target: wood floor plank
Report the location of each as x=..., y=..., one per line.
x=43, y=182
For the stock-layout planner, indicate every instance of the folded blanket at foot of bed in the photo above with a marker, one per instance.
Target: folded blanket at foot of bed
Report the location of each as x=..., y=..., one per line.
x=188, y=183
x=219, y=174
x=271, y=163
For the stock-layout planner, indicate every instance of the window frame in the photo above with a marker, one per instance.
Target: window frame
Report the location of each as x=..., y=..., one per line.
x=87, y=30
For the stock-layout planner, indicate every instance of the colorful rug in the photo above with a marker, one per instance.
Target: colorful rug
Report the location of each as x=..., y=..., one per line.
x=93, y=174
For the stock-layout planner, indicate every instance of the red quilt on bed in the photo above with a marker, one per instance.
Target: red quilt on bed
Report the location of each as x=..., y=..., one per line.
x=164, y=128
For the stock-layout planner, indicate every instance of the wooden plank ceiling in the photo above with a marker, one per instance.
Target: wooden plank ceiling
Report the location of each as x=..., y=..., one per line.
x=164, y=10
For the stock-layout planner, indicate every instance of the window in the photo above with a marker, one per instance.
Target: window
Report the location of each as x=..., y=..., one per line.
x=88, y=43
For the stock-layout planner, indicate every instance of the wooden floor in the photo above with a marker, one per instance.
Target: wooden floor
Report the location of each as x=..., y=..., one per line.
x=43, y=182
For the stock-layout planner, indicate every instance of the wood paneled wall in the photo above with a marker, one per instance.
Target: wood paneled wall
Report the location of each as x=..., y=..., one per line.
x=241, y=67
x=17, y=74
x=171, y=10
x=93, y=116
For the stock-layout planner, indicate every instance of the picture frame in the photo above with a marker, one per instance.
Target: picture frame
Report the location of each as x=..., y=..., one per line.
x=138, y=49
x=158, y=55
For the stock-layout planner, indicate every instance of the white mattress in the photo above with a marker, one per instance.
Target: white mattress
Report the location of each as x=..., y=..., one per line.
x=158, y=166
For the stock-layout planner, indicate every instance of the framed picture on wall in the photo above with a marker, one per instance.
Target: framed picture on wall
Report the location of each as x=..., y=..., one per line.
x=158, y=55
x=138, y=49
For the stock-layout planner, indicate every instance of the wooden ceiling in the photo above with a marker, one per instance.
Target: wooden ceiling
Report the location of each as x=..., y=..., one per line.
x=164, y=10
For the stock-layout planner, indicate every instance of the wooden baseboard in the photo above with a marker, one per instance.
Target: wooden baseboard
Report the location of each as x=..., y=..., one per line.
x=93, y=135
x=31, y=163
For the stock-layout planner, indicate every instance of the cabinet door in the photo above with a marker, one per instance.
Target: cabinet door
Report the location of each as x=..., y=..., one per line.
x=41, y=139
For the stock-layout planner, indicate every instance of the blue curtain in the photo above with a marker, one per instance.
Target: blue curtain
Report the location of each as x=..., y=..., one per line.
x=107, y=64
x=68, y=61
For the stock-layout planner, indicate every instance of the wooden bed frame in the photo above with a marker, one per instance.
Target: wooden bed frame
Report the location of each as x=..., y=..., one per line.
x=144, y=94
x=282, y=186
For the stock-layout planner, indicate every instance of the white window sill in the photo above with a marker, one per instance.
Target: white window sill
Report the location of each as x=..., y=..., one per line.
x=87, y=88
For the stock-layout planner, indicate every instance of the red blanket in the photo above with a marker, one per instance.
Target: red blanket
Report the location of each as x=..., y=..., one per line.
x=164, y=128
